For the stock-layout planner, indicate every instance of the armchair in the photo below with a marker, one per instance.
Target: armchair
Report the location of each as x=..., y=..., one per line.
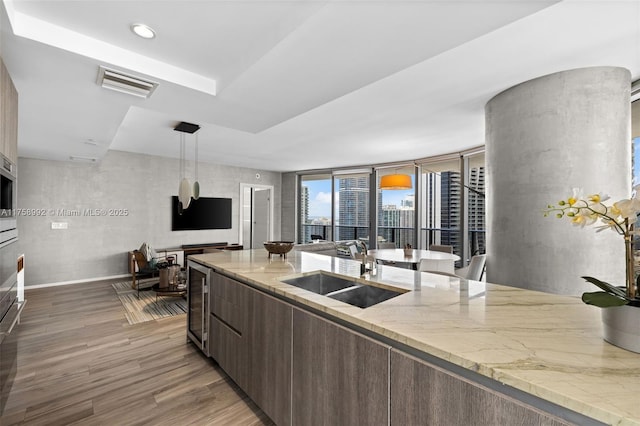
x=140, y=268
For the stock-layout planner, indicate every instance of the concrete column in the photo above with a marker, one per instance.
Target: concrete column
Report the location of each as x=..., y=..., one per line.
x=543, y=138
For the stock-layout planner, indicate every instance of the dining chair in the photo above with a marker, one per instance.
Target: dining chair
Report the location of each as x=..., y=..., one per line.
x=475, y=269
x=386, y=245
x=427, y=265
x=444, y=249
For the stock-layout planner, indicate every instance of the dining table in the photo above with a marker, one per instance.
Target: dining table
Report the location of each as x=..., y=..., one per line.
x=433, y=260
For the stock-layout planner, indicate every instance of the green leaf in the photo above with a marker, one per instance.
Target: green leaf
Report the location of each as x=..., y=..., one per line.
x=603, y=299
x=611, y=289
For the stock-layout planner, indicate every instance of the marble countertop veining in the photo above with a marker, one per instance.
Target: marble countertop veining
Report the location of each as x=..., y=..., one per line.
x=547, y=345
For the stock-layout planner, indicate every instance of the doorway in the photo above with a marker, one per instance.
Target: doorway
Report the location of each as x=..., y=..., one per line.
x=256, y=214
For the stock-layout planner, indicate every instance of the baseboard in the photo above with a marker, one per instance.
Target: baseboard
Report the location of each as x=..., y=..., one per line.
x=86, y=280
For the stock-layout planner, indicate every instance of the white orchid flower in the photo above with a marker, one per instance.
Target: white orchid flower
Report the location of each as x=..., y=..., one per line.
x=584, y=211
x=583, y=218
x=608, y=224
x=598, y=198
x=576, y=196
x=627, y=209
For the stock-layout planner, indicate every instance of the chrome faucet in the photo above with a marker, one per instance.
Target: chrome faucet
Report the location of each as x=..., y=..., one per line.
x=364, y=267
x=364, y=249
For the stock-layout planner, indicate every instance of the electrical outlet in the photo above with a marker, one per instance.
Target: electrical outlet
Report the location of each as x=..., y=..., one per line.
x=59, y=225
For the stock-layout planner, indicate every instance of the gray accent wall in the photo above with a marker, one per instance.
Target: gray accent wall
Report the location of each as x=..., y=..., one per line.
x=131, y=198
x=289, y=203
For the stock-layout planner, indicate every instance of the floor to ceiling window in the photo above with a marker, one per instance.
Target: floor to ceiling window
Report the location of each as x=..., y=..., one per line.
x=315, y=208
x=444, y=206
x=441, y=204
x=397, y=210
x=475, y=203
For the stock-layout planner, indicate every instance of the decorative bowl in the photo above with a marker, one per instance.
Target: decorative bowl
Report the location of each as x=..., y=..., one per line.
x=278, y=247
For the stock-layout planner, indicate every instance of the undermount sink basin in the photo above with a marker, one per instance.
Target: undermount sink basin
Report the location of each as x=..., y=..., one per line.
x=344, y=289
x=320, y=282
x=364, y=296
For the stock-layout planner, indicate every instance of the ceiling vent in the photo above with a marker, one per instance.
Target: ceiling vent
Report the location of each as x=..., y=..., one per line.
x=124, y=83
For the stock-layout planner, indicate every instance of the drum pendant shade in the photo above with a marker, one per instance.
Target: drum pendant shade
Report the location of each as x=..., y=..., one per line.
x=396, y=181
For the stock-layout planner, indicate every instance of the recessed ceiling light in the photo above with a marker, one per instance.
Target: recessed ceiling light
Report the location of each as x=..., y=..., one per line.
x=143, y=30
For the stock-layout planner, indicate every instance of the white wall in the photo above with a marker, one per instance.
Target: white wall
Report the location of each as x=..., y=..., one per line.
x=95, y=246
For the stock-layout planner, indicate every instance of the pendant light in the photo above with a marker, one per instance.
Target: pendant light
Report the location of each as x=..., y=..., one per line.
x=184, y=189
x=395, y=181
x=196, y=184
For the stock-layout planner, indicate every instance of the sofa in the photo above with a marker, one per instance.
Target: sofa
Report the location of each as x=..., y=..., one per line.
x=330, y=248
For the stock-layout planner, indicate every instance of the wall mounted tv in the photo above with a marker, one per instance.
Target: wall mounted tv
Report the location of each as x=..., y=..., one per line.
x=203, y=213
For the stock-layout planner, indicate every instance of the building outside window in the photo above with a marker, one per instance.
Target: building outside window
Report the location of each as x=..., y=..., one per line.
x=352, y=207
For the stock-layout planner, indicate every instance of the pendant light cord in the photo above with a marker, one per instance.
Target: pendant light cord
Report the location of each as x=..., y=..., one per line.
x=182, y=171
x=196, y=157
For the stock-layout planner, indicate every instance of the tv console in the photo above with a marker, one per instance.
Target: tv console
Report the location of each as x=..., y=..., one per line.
x=190, y=249
x=180, y=253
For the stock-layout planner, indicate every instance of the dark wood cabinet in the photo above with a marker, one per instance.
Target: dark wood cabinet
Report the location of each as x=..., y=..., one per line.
x=229, y=305
x=424, y=394
x=229, y=301
x=268, y=346
x=340, y=377
x=250, y=338
x=226, y=346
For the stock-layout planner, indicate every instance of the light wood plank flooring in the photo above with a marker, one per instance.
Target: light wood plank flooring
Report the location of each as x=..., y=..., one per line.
x=81, y=363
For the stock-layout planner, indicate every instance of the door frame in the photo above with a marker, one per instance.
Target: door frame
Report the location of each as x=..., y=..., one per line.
x=243, y=186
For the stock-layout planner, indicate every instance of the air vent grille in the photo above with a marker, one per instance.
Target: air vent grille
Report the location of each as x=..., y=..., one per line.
x=635, y=90
x=125, y=83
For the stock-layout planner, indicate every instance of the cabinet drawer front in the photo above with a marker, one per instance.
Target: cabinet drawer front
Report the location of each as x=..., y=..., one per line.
x=225, y=346
x=229, y=301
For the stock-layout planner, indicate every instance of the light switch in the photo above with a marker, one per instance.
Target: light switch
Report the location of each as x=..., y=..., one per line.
x=59, y=225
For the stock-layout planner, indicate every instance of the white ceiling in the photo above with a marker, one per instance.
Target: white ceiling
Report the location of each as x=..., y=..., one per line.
x=293, y=85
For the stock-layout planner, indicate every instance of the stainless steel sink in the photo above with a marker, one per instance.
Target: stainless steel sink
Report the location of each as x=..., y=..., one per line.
x=364, y=296
x=345, y=289
x=321, y=282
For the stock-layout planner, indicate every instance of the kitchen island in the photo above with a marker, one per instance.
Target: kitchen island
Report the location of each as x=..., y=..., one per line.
x=529, y=347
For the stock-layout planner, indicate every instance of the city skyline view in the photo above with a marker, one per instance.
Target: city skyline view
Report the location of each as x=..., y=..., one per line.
x=440, y=211
x=320, y=197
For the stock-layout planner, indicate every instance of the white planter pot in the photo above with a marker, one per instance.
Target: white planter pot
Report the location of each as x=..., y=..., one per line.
x=622, y=327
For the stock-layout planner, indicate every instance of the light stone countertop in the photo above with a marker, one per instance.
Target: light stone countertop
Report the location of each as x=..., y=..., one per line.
x=547, y=345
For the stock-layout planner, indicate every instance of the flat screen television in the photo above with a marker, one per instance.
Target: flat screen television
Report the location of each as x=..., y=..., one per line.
x=203, y=213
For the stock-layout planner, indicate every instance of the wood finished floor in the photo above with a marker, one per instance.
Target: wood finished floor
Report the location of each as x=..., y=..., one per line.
x=81, y=363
